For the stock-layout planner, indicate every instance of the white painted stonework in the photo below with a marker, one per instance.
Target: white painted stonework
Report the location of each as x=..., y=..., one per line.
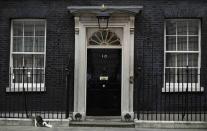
x=85, y=22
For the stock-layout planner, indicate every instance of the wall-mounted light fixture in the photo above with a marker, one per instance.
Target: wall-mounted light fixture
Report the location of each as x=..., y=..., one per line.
x=103, y=18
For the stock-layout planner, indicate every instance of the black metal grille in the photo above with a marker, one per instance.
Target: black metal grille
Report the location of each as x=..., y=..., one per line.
x=24, y=98
x=165, y=95
x=166, y=100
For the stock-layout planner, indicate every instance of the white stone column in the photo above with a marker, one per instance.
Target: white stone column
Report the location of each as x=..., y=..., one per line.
x=128, y=70
x=80, y=71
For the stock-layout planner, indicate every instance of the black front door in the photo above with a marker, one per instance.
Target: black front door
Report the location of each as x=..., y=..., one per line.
x=103, y=82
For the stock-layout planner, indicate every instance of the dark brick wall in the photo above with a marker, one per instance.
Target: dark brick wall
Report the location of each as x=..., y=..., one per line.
x=59, y=47
x=149, y=42
x=149, y=53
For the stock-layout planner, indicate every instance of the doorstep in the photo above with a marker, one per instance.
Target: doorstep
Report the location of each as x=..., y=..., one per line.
x=102, y=121
x=30, y=122
x=102, y=124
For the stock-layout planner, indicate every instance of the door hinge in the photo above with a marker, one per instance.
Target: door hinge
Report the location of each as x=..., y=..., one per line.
x=131, y=79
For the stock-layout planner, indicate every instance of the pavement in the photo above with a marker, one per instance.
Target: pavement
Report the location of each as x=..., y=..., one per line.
x=29, y=128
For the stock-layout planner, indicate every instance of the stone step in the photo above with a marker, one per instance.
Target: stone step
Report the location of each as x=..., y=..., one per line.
x=101, y=123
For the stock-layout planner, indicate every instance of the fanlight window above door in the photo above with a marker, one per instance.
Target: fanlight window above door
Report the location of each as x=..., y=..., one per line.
x=104, y=37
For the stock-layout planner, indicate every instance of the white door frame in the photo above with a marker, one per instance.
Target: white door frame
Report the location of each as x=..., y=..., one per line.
x=80, y=72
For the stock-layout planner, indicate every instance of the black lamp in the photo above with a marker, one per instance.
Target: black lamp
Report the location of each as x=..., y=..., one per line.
x=103, y=18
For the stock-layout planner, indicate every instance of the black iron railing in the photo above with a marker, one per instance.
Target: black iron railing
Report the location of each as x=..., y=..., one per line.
x=27, y=95
x=173, y=96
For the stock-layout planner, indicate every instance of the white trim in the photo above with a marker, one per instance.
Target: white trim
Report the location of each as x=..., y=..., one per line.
x=105, y=47
x=82, y=23
x=32, y=53
x=10, y=53
x=28, y=20
x=181, y=67
x=28, y=36
x=182, y=35
x=94, y=10
x=12, y=85
x=182, y=87
x=178, y=87
x=19, y=87
x=182, y=51
x=199, y=48
x=131, y=67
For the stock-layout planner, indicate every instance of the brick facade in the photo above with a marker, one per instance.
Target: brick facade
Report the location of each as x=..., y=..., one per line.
x=149, y=42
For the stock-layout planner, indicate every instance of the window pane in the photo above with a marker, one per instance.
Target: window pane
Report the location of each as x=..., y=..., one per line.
x=193, y=43
x=38, y=76
x=39, y=61
x=28, y=76
x=18, y=75
x=181, y=60
x=182, y=75
x=29, y=28
x=182, y=27
x=39, y=44
x=17, y=28
x=193, y=60
x=40, y=28
x=170, y=60
x=170, y=43
x=28, y=37
x=17, y=61
x=193, y=75
x=28, y=61
x=182, y=43
x=170, y=75
x=193, y=27
x=170, y=27
x=17, y=44
x=28, y=44
x=188, y=75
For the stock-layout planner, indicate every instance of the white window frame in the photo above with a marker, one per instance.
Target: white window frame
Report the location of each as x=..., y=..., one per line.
x=30, y=87
x=181, y=87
